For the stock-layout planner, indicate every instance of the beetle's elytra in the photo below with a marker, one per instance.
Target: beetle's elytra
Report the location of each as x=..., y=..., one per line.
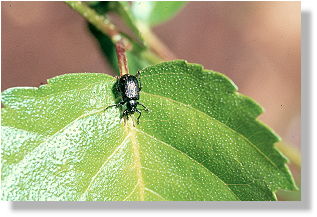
x=129, y=86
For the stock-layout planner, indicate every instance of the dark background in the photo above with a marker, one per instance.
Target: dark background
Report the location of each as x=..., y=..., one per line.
x=256, y=44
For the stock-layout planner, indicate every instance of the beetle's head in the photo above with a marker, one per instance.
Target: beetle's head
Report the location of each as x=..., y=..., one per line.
x=131, y=105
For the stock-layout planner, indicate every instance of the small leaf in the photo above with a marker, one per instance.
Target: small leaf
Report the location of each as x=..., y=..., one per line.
x=200, y=141
x=155, y=12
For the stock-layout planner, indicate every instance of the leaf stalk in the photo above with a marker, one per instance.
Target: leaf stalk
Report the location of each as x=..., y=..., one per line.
x=155, y=54
x=102, y=23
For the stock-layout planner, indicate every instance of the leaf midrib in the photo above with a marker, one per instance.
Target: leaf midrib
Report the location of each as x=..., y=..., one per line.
x=136, y=157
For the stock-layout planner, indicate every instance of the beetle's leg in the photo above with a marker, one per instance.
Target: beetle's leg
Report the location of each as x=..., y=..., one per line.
x=116, y=105
x=138, y=76
x=126, y=113
x=145, y=108
x=138, y=119
x=121, y=103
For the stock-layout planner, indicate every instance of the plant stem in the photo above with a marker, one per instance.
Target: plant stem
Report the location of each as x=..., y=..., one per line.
x=122, y=58
x=155, y=43
x=150, y=57
x=121, y=43
x=100, y=22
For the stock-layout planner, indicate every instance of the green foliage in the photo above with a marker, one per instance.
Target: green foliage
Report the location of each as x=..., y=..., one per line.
x=155, y=12
x=200, y=141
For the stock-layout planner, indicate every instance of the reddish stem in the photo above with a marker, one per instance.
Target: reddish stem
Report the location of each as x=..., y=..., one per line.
x=122, y=58
x=104, y=25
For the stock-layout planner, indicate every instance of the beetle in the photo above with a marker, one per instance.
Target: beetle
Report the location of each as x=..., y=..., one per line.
x=129, y=86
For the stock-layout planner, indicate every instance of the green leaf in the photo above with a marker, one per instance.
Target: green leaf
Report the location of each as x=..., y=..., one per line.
x=200, y=141
x=156, y=12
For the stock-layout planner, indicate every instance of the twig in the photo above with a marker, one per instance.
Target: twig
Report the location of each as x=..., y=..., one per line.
x=122, y=58
x=155, y=43
x=122, y=44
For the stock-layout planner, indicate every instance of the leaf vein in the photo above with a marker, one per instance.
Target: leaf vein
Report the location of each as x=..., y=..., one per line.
x=133, y=190
x=219, y=122
x=186, y=155
x=155, y=193
x=104, y=165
